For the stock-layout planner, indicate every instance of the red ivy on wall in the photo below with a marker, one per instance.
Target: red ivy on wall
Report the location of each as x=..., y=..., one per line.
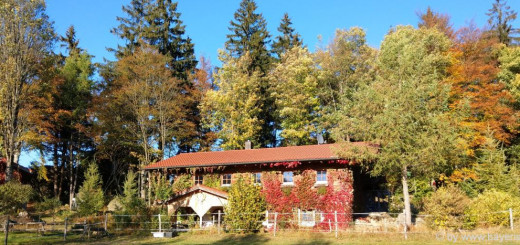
x=337, y=197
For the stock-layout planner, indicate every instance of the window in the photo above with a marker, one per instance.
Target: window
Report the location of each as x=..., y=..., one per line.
x=198, y=179
x=257, y=178
x=287, y=177
x=226, y=179
x=321, y=176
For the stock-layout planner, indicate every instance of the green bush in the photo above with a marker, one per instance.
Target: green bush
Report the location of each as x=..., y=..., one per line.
x=90, y=196
x=244, y=211
x=446, y=208
x=491, y=208
x=52, y=205
x=13, y=197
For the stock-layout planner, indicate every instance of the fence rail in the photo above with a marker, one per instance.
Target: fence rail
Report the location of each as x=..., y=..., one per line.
x=273, y=222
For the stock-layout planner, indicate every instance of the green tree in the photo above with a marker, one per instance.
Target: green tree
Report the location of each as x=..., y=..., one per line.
x=234, y=110
x=405, y=111
x=249, y=35
x=288, y=38
x=500, y=17
x=26, y=37
x=346, y=64
x=13, y=196
x=130, y=201
x=492, y=170
x=157, y=22
x=294, y=86
x=90, y=196
x=244, y=211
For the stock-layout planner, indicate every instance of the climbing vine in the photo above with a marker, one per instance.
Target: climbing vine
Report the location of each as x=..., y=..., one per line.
x=337, y=196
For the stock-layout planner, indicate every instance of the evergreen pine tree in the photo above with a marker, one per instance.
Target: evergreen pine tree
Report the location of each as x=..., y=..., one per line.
x=90, y=196
x=249, y=34
x=130, y=201
x=500, y=18
x=288, y=38
x=157, y=23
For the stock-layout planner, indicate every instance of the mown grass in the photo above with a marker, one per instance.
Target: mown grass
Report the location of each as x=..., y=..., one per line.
x=249, y=239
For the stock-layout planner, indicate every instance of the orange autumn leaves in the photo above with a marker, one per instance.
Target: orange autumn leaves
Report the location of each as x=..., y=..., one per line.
x=473, y=77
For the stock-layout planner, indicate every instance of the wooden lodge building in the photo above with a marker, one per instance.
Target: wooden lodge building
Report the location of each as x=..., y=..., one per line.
x=286, y=162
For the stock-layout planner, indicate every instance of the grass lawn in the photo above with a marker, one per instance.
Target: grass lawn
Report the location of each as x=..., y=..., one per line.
x=281, y=238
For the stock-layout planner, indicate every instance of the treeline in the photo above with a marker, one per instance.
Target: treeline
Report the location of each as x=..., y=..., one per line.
x=442, y=104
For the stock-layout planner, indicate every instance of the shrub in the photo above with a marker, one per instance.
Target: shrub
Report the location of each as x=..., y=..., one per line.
x=446, y=208
x=244, y=211
x=13, y=196
x=49, y=204
x=90, y=196
x=490, y=208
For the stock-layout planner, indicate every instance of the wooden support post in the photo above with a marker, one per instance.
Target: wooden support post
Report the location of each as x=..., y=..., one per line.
x=218, y=221
x=511, y=218
x=336, y=221
x=330, y=227
x=65, y=230
x=275, y=221
x=6, y=229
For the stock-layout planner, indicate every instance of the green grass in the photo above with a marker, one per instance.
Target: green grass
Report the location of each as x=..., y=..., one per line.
x=249, y=239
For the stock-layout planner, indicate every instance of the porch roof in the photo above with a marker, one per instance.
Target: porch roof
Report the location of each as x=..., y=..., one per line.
x=252, y=156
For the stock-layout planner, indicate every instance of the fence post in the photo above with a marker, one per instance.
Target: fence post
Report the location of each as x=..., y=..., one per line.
x=275, y=221
x=511, y=218
x=267, y=217
x=404, y=225
x=65, y=231
x=336, y=221
x=160, y=223
x=299, y=222
x=218, y=221
x=330, y=227
x=106, y=221
x=6, y=229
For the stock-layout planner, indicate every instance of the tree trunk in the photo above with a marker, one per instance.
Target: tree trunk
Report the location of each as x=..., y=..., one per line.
x=55, y=169
x=71, y=174
x=406, y=196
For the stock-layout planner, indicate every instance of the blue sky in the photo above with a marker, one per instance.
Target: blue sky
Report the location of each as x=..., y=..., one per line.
x=207, y=21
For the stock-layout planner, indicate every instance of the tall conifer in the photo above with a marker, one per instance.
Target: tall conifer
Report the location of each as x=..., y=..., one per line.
x=288, y=38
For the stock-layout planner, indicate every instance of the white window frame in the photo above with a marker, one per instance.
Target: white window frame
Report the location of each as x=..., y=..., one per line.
x=292, y=178
x=318, y=181
x=224, y=179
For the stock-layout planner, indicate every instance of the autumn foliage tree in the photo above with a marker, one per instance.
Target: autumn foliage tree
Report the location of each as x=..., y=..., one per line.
x=473, y=76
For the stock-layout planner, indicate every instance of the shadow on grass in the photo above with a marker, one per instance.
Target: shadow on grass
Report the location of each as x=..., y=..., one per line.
x=242, y=239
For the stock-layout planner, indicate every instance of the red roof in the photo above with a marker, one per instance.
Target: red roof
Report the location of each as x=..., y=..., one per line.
x=253, y=156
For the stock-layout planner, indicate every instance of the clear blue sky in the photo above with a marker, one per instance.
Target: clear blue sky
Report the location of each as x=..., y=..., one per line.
x=207, y=20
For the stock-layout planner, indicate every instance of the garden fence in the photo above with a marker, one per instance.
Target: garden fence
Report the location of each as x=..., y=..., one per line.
x=272, y=222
